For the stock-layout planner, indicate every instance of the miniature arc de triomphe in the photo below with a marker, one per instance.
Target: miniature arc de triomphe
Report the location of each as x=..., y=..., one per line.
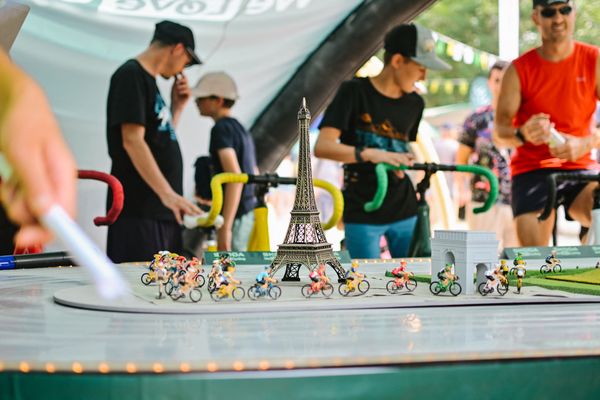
x=469, y=251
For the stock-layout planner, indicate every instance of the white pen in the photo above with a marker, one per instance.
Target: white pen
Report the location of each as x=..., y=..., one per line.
x=108, y=281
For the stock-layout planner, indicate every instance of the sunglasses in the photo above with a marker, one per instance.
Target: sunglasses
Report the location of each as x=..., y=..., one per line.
x=551, y=12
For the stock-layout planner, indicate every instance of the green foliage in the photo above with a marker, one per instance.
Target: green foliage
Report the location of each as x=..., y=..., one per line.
x=475, y=23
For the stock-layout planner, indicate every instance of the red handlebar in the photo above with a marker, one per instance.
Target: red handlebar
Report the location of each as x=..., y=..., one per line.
x=117, y=194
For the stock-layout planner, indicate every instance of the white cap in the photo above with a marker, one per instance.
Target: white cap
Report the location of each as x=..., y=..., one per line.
x=216, y=84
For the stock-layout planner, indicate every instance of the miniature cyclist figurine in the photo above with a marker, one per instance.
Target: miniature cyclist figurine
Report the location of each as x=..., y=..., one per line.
x=518, y=258
x=323, y=279
x=446, y=274
x=353, y=273
x=228, y=280
x=226, y=261
x=314, y=277
x=215, y=273
x=503, y=272
x=520, y=272
x=400, y=271
x=490, y=275
x=160, y=269
x=263, y=278
x=552, y=263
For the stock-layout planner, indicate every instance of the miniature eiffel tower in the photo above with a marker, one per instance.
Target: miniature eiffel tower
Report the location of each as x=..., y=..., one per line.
x=305, y=242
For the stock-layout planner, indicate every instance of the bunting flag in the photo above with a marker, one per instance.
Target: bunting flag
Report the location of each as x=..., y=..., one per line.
x=448, y=86
x=460, y=52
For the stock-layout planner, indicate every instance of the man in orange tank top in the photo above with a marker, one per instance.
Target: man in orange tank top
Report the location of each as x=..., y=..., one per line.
x=552, y=87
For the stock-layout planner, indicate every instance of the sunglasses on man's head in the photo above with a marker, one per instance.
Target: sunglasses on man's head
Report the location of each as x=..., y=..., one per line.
x=551, y=12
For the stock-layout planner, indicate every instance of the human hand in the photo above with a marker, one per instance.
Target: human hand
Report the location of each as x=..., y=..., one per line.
x=43, y=169
x=377, y=156
x=180, y=92
x=179, y=205
x=537, y=129
x=573, y=149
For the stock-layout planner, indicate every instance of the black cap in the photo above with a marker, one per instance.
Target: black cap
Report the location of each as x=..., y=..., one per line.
x=169, y=32
x=546, y=3
x=416, y=42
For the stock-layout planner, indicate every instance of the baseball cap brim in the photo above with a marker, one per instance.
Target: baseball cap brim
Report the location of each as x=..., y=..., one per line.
x=195, y=59
x=431, y=61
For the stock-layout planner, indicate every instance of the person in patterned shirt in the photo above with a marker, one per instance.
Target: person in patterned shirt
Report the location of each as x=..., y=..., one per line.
x=476, y=147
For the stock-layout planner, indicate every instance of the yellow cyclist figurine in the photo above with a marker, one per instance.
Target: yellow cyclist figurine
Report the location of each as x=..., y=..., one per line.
x=502, y=274
x=352, y=274
x=520, y=271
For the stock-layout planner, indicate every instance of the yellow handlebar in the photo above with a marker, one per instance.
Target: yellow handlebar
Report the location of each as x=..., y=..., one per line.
x=338, y=202
x=216, y=187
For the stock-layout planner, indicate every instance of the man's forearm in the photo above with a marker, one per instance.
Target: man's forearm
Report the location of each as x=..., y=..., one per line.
x=505, y=136
x=146, y=166
x=231, y=202
x=335, y=151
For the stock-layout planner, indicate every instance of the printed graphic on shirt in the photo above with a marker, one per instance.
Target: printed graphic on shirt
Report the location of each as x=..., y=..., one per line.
x=381, y=136
x=163, y=114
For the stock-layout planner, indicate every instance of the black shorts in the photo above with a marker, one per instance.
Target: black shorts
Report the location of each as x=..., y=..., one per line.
x=138, y=239
x=529, y=191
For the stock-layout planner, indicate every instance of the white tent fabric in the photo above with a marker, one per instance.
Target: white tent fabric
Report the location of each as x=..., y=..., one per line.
x=72, y=47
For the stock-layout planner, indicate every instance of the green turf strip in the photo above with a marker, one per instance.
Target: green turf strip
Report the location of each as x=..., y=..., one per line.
x=590, y=277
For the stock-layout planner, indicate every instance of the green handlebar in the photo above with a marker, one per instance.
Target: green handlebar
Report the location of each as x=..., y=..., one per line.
x=382, y=181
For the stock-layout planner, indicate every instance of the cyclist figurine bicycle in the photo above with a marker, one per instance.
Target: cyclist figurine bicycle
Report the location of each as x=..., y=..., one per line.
x=354, y=281
x=319, y=283
x=402, y=279
x=315, y=278
x=183, y=282
x=552, y=264
x=446, y=274
x=318, y=278
x=401, y=273
x=228, y=282
x=447, y=282
x=495, y=281
x=352, y=274
x=263, y=279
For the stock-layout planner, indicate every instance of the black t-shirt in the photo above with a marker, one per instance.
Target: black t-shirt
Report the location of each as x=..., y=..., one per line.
x=133, y=97
x=229, y=133
x=369, y=119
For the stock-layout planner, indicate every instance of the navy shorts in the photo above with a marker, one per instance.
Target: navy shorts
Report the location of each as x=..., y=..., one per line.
x=138, y=239
x=530, y=190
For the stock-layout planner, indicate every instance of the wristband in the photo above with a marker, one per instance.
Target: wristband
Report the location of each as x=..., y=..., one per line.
x=357, y=151
x=519, y=135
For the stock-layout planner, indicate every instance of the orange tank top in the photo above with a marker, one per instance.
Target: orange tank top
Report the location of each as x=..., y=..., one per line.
x=565, y=90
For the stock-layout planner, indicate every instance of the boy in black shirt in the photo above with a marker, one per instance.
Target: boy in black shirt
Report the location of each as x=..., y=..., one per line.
x=232, y=150
x=372, y=120
x=143, y=146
